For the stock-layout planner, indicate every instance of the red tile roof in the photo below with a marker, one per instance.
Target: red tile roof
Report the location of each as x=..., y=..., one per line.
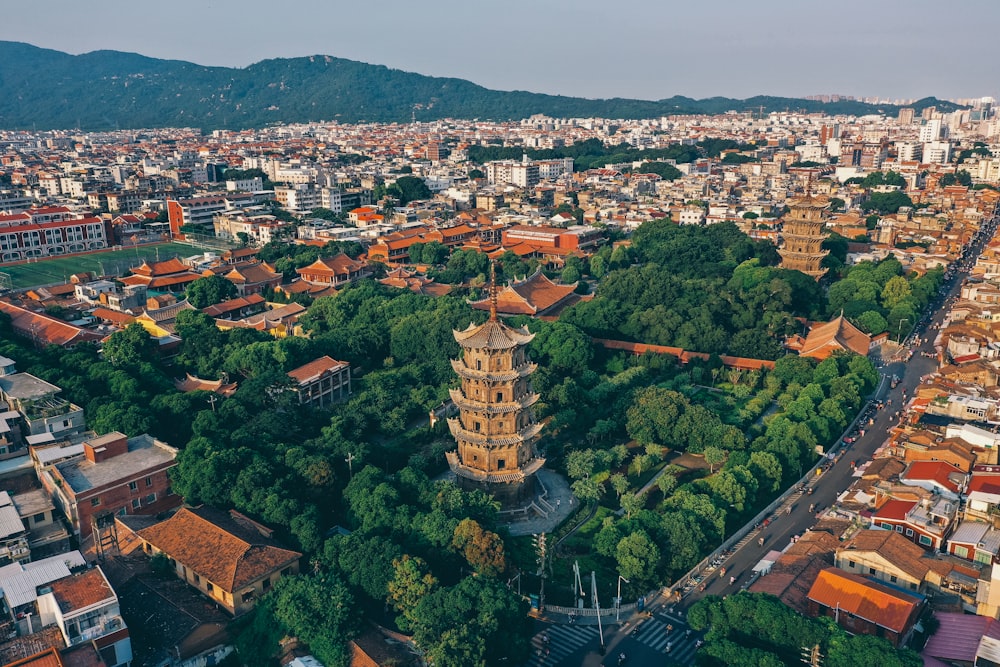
x=836, y=589
x=984, y=483
x=895, y=509
x=937, y=471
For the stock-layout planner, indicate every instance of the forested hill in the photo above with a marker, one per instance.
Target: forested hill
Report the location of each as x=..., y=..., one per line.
x=47, y=89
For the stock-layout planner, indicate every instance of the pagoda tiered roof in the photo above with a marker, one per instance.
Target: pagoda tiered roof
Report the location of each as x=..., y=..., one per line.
x=495, y=440
x=493, y=335
x=506, y=407
x=502, y=477
x=521, y=371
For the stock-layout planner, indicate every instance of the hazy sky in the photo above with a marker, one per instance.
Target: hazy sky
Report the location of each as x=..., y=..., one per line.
x=647, y=49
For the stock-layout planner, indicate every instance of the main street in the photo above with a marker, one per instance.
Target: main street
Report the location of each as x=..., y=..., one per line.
x=573, y=644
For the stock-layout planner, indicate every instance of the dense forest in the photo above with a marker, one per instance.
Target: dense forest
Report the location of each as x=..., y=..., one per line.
x=47, y=89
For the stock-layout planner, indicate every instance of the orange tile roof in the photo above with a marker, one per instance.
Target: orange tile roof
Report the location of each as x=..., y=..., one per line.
x=216, y=547
x=47, y=658
x=839, y=333
x=314, y=368
x=855, y=595
x=79, y=591
x=45, y=329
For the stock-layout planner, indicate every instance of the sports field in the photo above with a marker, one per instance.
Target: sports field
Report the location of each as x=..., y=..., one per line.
x=109, y=262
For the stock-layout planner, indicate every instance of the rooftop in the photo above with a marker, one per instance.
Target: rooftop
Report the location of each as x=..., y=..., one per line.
x=79, y=591
x=144, y=453
x=24, y=386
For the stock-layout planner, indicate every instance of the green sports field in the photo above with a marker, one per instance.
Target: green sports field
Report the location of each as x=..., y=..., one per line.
x=110, y=262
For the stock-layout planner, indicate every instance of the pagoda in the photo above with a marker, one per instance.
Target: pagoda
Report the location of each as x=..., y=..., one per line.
x=495, y=428
x=803, y=230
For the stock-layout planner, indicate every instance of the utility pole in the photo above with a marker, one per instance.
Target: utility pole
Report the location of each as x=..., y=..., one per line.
x=812, y=656
x=212, y=399
x=597, y=606
x=540, y=549
x=350, y=461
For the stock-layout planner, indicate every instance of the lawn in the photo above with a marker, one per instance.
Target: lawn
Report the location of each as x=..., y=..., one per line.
x=110, y=262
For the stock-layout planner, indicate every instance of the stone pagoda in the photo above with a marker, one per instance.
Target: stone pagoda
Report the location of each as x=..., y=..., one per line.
x=495, y=428
x=803, y=230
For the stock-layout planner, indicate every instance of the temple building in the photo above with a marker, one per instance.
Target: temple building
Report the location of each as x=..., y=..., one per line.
x=803, y=232
x=496, y=428
x=536, y=295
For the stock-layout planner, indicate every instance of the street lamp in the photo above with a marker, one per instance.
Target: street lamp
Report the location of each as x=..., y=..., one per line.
x=618, y=600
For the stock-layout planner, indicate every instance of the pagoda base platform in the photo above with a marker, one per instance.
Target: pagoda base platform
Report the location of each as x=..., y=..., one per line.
x=511, y=495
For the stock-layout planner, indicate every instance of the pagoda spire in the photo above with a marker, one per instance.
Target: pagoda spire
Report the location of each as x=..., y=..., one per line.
x=493, y=291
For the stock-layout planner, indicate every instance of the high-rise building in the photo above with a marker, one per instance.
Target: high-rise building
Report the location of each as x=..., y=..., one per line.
x=803, y=232
x=930, y=130
x=905, y=116
x=495, y=429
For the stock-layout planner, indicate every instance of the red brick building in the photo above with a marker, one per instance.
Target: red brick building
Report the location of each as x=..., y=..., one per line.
x=114, y=475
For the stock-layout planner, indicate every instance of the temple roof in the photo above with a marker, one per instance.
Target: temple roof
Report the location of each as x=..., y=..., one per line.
x=493, y=335
x=839, y=333
x=535, y=294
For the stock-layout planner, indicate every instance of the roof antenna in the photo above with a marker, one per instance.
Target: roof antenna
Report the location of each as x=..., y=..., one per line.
x=493, y=291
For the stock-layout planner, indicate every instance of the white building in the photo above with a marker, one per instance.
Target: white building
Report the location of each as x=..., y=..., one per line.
x=937, y=152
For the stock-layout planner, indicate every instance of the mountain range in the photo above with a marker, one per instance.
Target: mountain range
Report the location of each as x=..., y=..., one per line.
x=46, y=89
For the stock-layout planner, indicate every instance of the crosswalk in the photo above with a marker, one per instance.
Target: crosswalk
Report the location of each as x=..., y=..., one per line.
x=563, y=641
x=653, y=633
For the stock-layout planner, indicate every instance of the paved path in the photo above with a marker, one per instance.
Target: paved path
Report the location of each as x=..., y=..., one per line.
x=558, y=505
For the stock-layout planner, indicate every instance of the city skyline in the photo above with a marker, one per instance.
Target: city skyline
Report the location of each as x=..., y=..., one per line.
x=636, y=49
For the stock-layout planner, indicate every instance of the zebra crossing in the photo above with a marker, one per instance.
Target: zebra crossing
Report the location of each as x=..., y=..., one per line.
x=564, y=640
x=653, y=633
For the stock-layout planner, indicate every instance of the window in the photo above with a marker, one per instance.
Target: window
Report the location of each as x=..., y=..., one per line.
x=209, y=587
x=499, y=397
x=151, y=498
x=478, y=427
x=287, y=571
x=197, y=579
x=136, y=503
x=909, y=532
x=94, y=502
x=913, y=586
x=38, y=518
x=501, y=464
x=892, y=579
x=247, y=596
x=149, y=482
x=133, y=486
x=266, y=584
x=886, y=525
x=871, y=570
x=899, y=529
x=960, y=551
x=983, y=557
x=851, y=564
x=926, y=541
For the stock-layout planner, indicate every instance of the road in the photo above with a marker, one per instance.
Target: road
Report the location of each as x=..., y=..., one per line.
x=575, y=645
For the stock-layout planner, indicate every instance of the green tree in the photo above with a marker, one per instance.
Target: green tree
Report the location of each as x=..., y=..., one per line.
x=896, y=290
x=872, y=322
x=129, y=347
x=632, y=503
x=638, y=558
x=715, y=456
x=411, y=583
x=318, y=609
x=409, y=188
x=209, y=291
x=619, y=483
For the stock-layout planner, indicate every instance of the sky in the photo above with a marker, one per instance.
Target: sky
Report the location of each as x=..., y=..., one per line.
x=645, y=49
